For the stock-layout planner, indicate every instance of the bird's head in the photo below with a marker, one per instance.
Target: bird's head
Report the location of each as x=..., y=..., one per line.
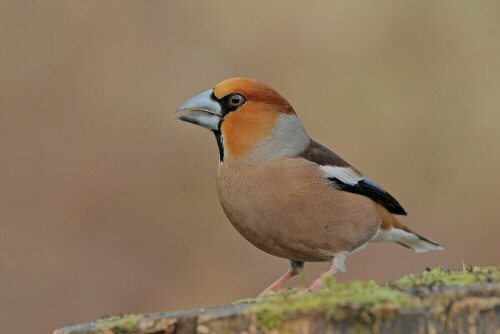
x=251, y=121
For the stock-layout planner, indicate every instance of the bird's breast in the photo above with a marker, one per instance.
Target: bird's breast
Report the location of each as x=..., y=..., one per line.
x=287, y=208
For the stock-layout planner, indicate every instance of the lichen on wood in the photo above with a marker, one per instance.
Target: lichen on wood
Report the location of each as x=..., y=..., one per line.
x=359, y=300
x=365, y=302
x=439, y=300
x=468, y=276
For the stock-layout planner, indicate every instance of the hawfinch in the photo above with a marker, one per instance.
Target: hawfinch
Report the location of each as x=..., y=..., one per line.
x=287, y=194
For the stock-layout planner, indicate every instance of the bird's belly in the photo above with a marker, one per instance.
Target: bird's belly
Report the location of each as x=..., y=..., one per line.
x=295, y=214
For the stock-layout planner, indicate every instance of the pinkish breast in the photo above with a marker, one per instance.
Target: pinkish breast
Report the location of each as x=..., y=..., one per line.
x=287, y=208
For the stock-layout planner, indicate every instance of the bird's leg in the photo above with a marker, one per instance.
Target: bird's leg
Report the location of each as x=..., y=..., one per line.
x=338, y=264
x=296, y=267
x=318, y=282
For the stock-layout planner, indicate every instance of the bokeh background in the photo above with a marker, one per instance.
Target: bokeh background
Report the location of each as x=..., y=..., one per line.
x=108, y=203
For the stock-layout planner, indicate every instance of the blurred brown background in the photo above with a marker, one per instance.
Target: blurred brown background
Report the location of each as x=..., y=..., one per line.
x=108, y=204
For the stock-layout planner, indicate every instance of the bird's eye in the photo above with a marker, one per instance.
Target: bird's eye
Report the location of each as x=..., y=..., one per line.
x=236, y=100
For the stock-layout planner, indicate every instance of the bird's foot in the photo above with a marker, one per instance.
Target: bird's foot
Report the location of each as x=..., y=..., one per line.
x=276, y=285
x=317, y=284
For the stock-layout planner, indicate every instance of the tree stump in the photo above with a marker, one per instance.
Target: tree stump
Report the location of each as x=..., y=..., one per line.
x=438, y=301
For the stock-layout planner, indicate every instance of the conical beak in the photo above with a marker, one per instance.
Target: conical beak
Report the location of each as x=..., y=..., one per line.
x=203, y=110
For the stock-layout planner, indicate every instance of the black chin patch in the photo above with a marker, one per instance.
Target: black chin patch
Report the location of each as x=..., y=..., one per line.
x=218, y=137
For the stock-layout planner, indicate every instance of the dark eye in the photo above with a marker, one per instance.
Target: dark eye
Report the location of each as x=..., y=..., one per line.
x=236, y=100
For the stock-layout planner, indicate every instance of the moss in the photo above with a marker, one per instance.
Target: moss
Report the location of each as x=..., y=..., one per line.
x=119, y=324
x=366, y=303
x=444, y=277
x=360, y=300
x=245, y=301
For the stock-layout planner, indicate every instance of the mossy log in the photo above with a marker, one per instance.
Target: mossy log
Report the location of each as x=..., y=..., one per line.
x=438, y=301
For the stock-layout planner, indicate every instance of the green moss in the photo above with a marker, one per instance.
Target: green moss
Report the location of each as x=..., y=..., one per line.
x=365, y=302
x=444, y=277
x=123, y=324
x=245, y=301
x=337, y=301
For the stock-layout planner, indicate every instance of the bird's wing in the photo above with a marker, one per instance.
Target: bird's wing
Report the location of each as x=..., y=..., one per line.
x=348, y=178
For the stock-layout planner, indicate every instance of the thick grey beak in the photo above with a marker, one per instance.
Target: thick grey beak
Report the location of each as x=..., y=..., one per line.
x=203, y=110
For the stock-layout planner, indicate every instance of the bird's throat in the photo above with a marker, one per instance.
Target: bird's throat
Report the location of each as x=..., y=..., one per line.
x=218, y=137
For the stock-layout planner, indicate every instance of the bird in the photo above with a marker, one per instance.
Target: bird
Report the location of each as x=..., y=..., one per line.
x=287, y=194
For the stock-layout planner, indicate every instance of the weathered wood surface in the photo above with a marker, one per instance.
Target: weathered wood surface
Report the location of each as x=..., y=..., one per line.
x=473, y=309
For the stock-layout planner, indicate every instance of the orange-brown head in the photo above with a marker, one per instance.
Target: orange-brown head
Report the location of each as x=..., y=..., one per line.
x=251, y=121
x=255, y=92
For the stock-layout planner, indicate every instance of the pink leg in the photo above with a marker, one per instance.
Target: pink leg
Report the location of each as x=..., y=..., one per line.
x=318, y=282
x=276, y=285
x=338, y=263
x=296, y=268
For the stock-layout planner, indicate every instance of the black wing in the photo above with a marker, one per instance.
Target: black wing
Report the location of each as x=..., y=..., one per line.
x=321, y=155
x=370, y=189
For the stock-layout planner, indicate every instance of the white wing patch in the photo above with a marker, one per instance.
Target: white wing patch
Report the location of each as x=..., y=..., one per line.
x=343, y=174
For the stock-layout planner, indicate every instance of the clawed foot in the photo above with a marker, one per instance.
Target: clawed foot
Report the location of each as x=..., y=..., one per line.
x=276, y=285
x=304, y=291
x=317, y=284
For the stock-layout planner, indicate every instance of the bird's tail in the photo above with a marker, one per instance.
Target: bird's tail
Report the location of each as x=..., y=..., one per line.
x=393, y=230
x=418, y=243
